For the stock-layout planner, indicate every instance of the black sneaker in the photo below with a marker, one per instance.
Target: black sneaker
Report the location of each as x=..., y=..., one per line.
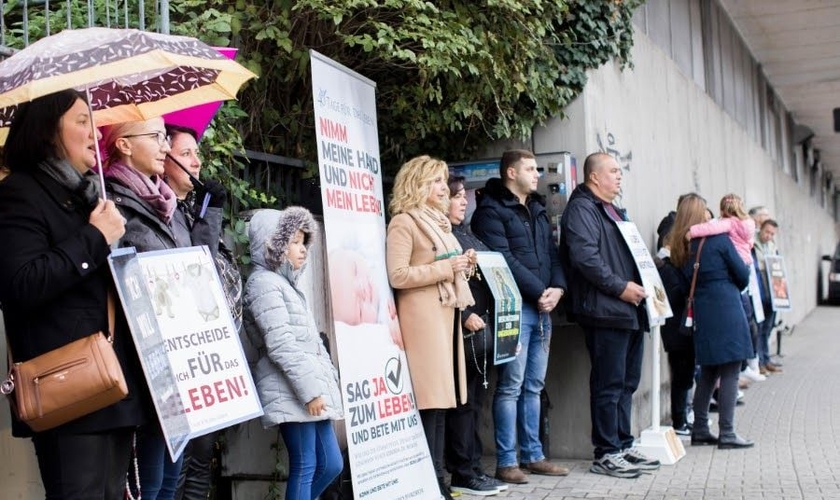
x=500, y=485
x=474, y=486
x=644, y=463
x=682, y=430
x=616, y=466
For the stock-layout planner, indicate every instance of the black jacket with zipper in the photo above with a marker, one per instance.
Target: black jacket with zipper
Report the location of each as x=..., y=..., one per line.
x=598, y=264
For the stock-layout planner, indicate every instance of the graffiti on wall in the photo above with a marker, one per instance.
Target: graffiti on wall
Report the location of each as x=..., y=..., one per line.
x=624, y=159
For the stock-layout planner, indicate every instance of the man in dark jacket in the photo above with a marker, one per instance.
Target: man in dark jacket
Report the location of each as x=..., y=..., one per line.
x=511, y=219
x=606, y=300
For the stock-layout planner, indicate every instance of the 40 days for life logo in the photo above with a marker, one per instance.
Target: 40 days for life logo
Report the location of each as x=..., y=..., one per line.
x=376, y=406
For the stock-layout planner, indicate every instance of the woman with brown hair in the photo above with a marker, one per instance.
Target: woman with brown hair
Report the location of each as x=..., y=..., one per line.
x=463, y=442
x=428, y=269
x=721, y=333
x=55, y=280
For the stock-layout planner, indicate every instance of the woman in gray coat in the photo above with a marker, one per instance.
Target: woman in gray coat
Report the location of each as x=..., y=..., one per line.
x=134, y=180
x=295, y=378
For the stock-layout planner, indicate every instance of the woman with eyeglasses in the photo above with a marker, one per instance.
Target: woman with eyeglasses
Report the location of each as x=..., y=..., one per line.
x=136, y=152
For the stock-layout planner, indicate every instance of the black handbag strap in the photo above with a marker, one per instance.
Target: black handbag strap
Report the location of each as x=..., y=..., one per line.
x=696, y=268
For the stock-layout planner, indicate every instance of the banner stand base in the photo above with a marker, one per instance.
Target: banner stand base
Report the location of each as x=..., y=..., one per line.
x=661, y=444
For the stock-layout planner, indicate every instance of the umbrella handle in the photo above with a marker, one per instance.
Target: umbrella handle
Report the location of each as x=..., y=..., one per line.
x=96, y=146
x=195, y=182
x=193, y=178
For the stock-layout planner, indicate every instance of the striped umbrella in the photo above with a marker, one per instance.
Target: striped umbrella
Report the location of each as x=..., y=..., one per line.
x=130, y=75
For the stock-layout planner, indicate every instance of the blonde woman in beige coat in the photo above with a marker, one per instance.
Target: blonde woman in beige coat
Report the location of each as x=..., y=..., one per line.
x=428, y=269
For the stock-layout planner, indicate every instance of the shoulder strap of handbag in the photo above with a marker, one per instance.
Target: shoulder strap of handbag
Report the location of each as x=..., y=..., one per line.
x=696, y=267
x=109, y=337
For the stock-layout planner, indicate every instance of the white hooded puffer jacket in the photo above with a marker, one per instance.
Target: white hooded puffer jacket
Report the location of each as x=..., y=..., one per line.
x=288, y=359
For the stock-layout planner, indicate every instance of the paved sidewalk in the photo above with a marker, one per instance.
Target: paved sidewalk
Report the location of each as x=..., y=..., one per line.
x=793, y=417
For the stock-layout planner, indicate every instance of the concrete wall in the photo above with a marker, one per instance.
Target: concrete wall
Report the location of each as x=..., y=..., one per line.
x=670, y=138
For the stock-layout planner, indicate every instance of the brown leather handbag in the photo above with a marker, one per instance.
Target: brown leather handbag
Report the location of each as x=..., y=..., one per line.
x=66, y=383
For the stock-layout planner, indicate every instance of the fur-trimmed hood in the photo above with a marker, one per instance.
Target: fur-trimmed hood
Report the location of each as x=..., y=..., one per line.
x=270, y=232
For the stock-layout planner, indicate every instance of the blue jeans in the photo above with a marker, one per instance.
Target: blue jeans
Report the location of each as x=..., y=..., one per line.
x=516, y=404
x=158, y=473
x=616, y=357
x=765, y=328
x=314, y=458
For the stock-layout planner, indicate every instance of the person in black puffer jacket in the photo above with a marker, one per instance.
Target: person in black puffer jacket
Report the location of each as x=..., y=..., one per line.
x=511, y=219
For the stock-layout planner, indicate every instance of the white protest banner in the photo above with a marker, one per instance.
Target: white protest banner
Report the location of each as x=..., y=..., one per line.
x=507, y=310
x=755, y=296
x=187, y=342
x=389, y=456
x=777, y=277
x=656, y=304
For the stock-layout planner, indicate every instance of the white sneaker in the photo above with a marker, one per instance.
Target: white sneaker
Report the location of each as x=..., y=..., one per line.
x=753, y=375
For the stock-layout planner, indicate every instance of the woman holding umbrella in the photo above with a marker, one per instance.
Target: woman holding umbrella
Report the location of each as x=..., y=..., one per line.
x=55, y=282
x=134, y=179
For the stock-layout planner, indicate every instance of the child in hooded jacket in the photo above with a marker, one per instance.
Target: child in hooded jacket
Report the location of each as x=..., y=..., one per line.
x=295, y=378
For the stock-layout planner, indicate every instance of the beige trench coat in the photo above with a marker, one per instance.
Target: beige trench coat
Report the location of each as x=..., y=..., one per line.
x=427, y=326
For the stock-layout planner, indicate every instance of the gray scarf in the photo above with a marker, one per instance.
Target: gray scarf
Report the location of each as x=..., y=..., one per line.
x=86, y=187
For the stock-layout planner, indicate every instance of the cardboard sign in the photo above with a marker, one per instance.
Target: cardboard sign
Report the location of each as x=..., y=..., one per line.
x=777, y=278
x=657, y=306
x=187, y=342
x=507, y=310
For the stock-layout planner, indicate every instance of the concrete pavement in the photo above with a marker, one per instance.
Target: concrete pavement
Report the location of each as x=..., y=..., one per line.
x=793, y=417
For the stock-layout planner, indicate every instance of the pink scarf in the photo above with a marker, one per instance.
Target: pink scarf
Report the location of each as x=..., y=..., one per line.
x=152, y=190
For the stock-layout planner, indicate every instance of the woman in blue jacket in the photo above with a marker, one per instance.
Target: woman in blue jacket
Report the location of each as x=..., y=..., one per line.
x=721, y=335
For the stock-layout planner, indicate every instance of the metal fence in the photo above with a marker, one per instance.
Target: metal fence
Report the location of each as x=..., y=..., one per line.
x=16, y=18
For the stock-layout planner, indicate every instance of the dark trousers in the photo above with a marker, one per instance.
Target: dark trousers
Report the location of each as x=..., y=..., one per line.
x=84, y=466
x=462, y=443
x=681, y=366
x=196, y=473
x=158, y=473
x=765, y=329
x=727, y=397
x=434, y=425
x=616, y=358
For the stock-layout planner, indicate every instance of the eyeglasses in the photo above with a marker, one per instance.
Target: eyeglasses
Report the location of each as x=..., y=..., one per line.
x=160, y=137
